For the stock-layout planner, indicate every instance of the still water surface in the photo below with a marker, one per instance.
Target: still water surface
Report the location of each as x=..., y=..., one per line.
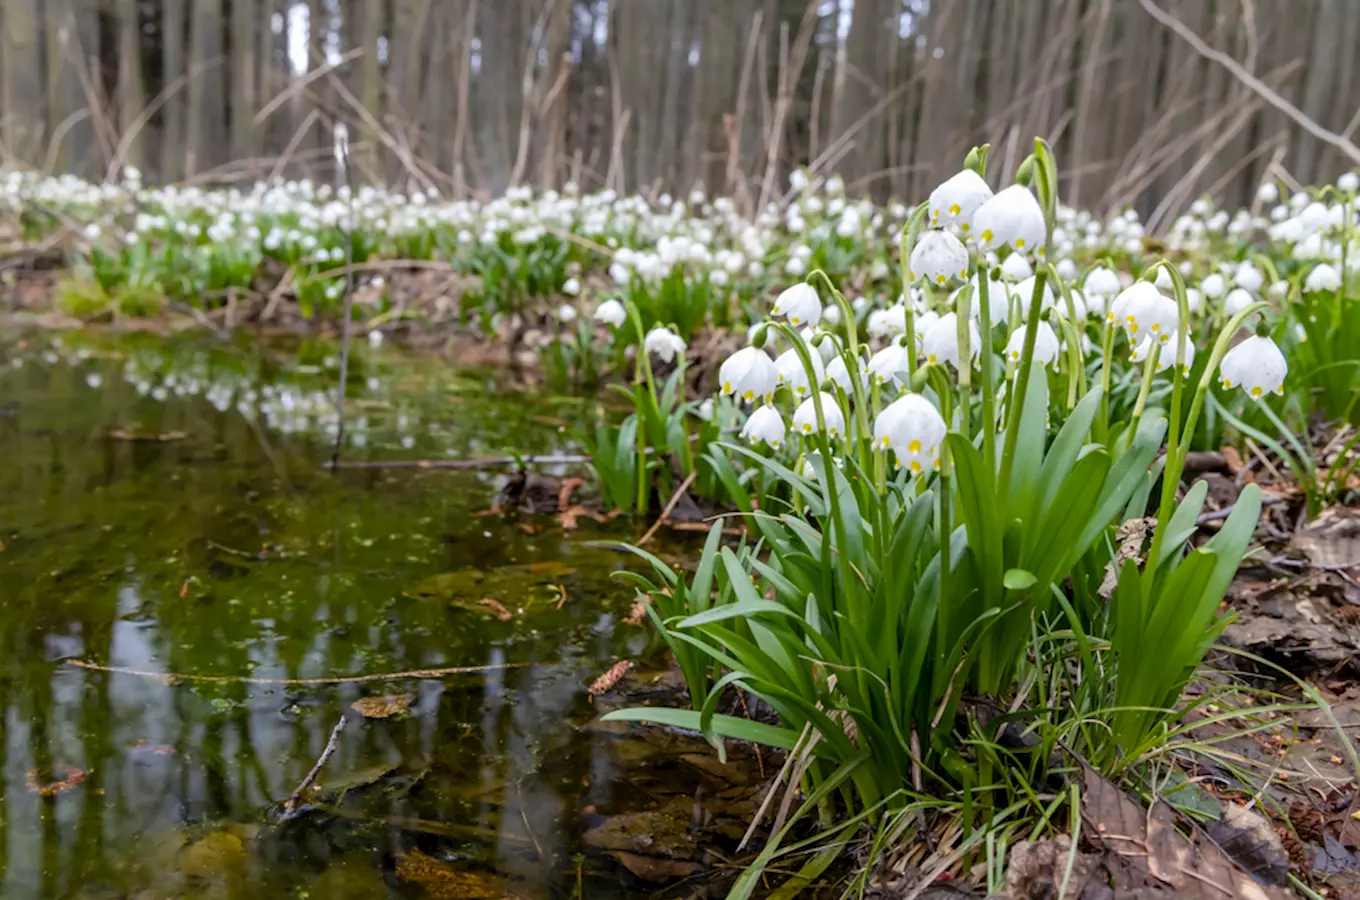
x=163, y=509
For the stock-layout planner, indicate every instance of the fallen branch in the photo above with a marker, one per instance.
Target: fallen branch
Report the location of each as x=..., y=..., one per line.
x=493, y=462
x=174, y=677
x=296, y=797
x=1216, y=515
x=670, y=507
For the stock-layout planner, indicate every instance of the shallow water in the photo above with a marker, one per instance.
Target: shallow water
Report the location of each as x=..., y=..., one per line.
x=163, y=509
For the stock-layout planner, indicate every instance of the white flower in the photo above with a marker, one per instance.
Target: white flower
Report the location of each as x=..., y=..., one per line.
x=998, y=300
x=940, y=344
x=566, y=313
x=888, y=363
x=1166, y=355
x=375, y=338
x=571, y=287
x=1213, y=285
x=1237, y=300
x=887, y=322
x=913, y=429
x=1046, y=345
x=800, y=303
x=789, y=370
x=705, y=410
x=1194, y=299
x=1257, y=365
x=611, y=312
x=1163, y=280
x=664, y=343
x=749, y=374
x=1249, y=277
x=957, y=200
x=1016, y=268
x=765, y=424
x=1323, y=278
x=938, y=256
x=805, y=417
x=839, y=372
x=1268, y=192
x=1348, y=182
x=1152, y=313
x=1011, y=217
x=1024, y=292
x=832, y=315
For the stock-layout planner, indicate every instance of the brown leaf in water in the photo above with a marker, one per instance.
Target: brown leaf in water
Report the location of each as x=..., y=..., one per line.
x=649, y=868
x=73, y=777
x=1145, y=849
x=564, y=492
x=606, y=682
x=497, y=608
x=441, y=881
x=529, y=527
x=638, y=614
x=384, y=707
x=562, y=595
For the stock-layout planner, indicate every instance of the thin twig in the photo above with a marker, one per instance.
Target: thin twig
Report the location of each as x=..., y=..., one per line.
x=1251, y=81
x=342, y=157
x=291, y=804
x=670, y=507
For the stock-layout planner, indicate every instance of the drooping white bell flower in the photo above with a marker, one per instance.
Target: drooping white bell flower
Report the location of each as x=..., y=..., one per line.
x=1024, y=293
x=1324, y=277
x=937, y=257
x=749, y=374
x=1237, y=300
x=1256, y=365
x=705, y=409
x=571, y=287
x=1152, y=313
x=1016, y=268
x=612, y=313
x=940, y=344
x=805, y=416
x=566, y=313
x=1066, y=269
x=830, y=344
x=1348, y=182
x=880, y=323
x=664, y=343
x=888, y=363
x=765, y=424
x=1102, y=283
x=1128, y=304
x=1166, y=355
x=789, y=370
x=913, y=429
x=998, y=300
x=832, y=315
x=1194, y=300
x=1213, y=285
x=1013, y=217
x=1163, y=280
x=800, y=304
x=1046, y=344
x=957, y=200
x=923, y=322
x=839, y=372
x=1248, y=276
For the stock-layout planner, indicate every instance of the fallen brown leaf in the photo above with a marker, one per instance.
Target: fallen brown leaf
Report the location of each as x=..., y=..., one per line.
x=73, y=777
x=384, y=707
x=606, y=682
x=497, y=608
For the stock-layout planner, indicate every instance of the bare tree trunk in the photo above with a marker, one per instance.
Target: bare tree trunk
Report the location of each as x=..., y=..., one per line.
x=207, y=105
x=72, y=39
x=244, y=101
x=172, y=68
x=131, y=90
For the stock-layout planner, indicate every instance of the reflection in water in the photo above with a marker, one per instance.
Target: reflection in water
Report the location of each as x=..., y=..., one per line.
x=170, y=529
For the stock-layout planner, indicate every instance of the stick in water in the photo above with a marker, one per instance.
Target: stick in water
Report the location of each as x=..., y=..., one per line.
x=342, y=163
x=291, y=804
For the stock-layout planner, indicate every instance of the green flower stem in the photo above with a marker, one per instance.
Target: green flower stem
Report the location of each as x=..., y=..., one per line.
x=829, y=479
x=962, y=313
x=852, y=362
x=1175, y=465
x=908, y=241
x=1149, y=373
x=1173, y=439
x=985, y=357
x=1106, y=347
x=1077, y=378
x=642, y=373
x=1021, y=384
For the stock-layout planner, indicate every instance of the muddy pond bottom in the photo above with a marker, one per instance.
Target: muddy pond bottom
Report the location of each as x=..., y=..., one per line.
x=190, y=603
